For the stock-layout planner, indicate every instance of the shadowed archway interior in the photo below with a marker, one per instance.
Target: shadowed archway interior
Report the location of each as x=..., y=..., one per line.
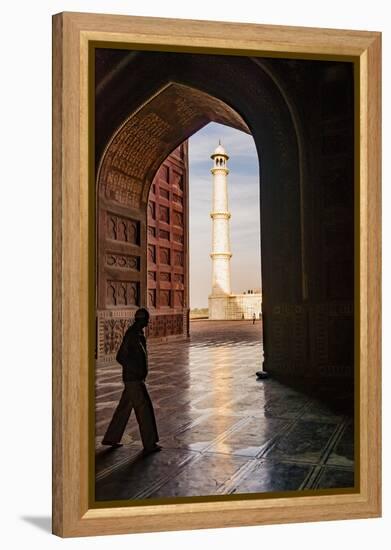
x=129, y=165
x=149, y=135
x=148, y=103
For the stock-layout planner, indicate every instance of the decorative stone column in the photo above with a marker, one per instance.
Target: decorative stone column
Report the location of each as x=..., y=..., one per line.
x=221, y=250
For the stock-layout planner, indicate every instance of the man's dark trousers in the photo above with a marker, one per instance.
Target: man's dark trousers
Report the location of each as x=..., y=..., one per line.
x=134, y=396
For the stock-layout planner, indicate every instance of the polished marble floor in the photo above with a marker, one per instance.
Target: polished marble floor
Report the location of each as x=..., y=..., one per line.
x=222, y=430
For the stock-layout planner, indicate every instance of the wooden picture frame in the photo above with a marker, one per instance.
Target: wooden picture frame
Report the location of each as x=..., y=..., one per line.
x=73, y=514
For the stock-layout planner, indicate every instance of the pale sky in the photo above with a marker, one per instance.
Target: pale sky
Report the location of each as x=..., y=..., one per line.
x=243, y=199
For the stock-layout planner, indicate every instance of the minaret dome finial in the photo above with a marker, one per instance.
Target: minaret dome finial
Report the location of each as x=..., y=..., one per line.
x=220, y=151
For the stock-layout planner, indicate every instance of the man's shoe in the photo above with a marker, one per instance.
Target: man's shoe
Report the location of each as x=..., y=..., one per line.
x=111, y=444
x=150, y=450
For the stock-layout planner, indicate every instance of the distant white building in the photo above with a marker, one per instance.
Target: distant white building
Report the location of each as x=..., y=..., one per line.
x=222, y=303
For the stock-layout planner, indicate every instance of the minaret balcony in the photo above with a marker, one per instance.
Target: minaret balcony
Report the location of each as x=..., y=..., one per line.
x=223, y=255
x=220, y=215
x=219, y=170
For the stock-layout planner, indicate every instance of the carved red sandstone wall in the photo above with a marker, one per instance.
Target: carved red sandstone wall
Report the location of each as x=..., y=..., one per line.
x=167, y=258
x=120, y=266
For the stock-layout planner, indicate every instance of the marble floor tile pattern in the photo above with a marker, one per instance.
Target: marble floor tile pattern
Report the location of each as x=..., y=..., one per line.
x=222, y=430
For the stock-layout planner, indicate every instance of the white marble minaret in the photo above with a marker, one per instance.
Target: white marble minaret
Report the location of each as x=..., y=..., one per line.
x=222, y=304
x=221, y=249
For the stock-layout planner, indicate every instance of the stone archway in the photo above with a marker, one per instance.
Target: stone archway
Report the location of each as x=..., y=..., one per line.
x=163, y=117
x=125, y=174
x=147, y=103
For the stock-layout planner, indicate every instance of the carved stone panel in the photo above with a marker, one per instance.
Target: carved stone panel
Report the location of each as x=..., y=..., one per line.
x=151, y=231
x=164, y=234
x=177, y=198
x=178, y=219
x=113, y=333
x=178, y=180
x=178, y=258
x=178, y=238
x=164, y=193
x=124, y=261
x=179, y=278
x=152, y=297
x=152, y=253
x=120, y=228
x=151, y=210
x=122, y=293
x=122, y=188
x=164, y=255
x=164, y=214
x=161, y=326
x=111, y=327
x=178, y=298
x=164, y=276
x=165, y=298
x=164, y=173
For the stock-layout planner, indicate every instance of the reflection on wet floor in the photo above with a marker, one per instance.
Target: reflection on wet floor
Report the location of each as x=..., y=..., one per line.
x=222, y=431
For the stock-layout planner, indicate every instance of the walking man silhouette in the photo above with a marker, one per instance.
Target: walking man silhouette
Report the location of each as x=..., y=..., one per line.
x=133, y=357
